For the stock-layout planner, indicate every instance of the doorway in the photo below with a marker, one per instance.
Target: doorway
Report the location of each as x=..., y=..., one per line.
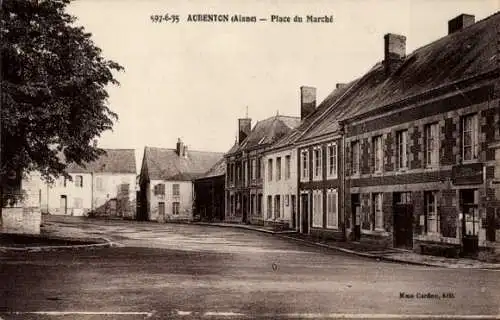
x=470, y=221
x=244, y=209
x=305, y=212
x=403, y=220
x=64, y=204
x=294, y=212
x=356, y=216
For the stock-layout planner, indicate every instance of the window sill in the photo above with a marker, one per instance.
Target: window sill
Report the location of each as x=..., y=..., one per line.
x=332, y=177
x=376, y=232
x=332, y=227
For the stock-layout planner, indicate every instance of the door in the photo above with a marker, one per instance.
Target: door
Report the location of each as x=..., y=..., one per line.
x=161, y=211
x=244, y=208
x=305, y=212
x=64, y=204
x=294, y=212
x=356, y=217
x=403, y=225
x=470, y=221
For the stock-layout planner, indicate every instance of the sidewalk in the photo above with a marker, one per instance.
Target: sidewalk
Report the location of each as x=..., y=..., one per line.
x=369, y=251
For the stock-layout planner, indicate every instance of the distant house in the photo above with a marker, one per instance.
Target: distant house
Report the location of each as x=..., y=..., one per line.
x=166, y=181
x=104, y=187
x=245, y=166
x=209, y=193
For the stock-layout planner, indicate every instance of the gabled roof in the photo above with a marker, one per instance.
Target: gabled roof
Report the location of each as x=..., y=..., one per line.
x=113, y=161
x=166, y=164
x=218, y=169
x=457, y=56
x=267, y=131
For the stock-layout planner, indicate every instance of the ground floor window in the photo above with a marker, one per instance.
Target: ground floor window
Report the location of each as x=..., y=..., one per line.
x=259, y=204
x=175, y=208
x=332, y=209
x=377, y=211
x=317, y=209
x=252, y=204
x=277, y=206
x=231, y=207
x=431, y=212
x=269, y=207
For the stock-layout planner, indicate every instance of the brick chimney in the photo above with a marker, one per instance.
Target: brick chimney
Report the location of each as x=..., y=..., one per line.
x=460, y=22
x=394, y=51
x=179, y=147
x=244, y=128
x=307, y=101
x=185, y=151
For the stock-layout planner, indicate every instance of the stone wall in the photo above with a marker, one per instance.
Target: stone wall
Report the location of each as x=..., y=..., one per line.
x=21, y=220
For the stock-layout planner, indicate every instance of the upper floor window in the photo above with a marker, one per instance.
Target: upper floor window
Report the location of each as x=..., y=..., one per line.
x=378, y=156
x=317, y=162
x=159, y=189
x=402, y=149
x=355, y=157
x=244, y=172
x=270, y=169
x=287, y=166
x=176, y=189
x=332, y=160
x=431, y=144
x=278, y=168
x=79, y=181
x=304, y=159
x=253, y=169
x=470, y=139
x=98, y=184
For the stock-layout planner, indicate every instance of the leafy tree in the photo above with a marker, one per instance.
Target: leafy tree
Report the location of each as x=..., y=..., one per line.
x=53, y=90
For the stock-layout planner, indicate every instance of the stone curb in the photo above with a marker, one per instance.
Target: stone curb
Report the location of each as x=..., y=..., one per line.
x=242, y=227
x=106, y=244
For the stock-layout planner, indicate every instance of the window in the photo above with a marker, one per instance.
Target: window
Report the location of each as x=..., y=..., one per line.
x=98, y=184
x=259, y=204
x=175, y=190
x=469, y=137
x=332, y=161
x=305, y=164
x=253, y=169
x=378, y=159
x=161, y=209
x=277, y=206
x=377, y=211
x=402, y=149
x=159, y=189
x=432, y=218
x=270, y=169
x=244, y=172
x=260, y=170
x=231, y=204
x=402, y=197
x=175, y=208
x=317, y=209
x=79, y=181
x=355, y=157
x=278, y=168
x=64, y=181
x=431, y=144
x=252, y=204
x=287, y=200
x=269, y=207
x=317, y=162
x=331, y=209
x=287, y=166
x=77, y=203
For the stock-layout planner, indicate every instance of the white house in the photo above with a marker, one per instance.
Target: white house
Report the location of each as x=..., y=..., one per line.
x=166, y=181
x=280, y=183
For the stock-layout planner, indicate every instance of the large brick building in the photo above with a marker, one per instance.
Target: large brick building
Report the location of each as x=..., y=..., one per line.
x=420, y=142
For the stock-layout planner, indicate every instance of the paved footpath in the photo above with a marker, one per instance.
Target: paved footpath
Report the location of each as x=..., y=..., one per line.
x=167, y=271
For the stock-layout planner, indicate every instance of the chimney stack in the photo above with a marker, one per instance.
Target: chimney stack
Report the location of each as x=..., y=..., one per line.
x=244, y=128
x=394, y=51
x=185, y=151
x=307, y=101
x=460, y=22
x=179, y=147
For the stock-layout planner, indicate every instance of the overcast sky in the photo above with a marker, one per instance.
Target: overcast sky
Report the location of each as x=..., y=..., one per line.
x=193, y=80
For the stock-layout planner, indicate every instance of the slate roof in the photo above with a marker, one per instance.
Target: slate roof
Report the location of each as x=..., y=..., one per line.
x=218, y=169
x=454, y=57
x=267, y=131
x=165, y=164
x=114, y=161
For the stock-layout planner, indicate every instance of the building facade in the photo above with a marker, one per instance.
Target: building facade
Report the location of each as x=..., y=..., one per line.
x=209, y=201
x=419, y=162
x=245, y=167
x=166, y=181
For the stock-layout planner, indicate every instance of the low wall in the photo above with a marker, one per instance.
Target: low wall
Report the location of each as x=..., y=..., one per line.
x=21, y=220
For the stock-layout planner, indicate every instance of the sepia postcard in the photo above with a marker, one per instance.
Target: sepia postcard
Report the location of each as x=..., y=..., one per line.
x=286, y=159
